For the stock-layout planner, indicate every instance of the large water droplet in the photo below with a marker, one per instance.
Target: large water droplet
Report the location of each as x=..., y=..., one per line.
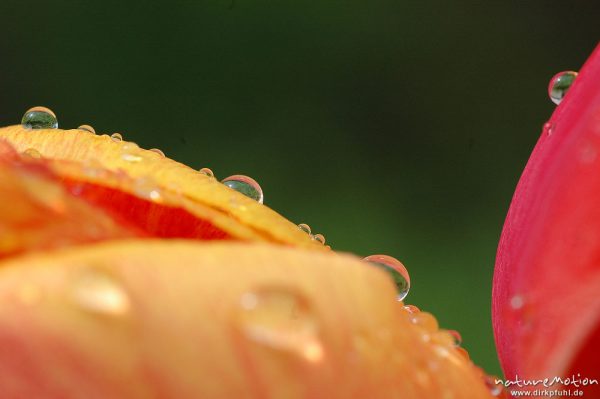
x=87, y=128
x=39, y=118
x=95, y=291
x=560, y=84
x=282, y=320
x=245, y=185
x=396, y=269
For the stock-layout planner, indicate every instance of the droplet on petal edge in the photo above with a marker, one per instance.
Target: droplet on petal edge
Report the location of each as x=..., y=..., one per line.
x=39, y=118
x=560, y=84
x=412, y=309
x=282, y=320
x=396, y=269
x=304, y=227
x=320, y=238
x=87, y=128
x=97, y=292
x=159, y=152
x=207, y=172
x=245, y=185
x=117, y=137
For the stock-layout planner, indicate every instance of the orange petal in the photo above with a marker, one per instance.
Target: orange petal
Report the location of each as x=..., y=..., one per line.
x=146, y=319
x=72, y=154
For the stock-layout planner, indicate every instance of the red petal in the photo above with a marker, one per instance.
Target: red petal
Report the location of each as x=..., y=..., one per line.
x=546, y=294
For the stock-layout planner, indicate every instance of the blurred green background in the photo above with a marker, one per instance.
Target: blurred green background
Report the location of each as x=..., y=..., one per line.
x=396, y=127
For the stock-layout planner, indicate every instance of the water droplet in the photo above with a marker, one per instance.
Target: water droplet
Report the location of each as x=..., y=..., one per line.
x=396, y=269
x=517, y=302
x=159, y=152
x=283, y=320
x=463, y=352
x=39, y=118
x=87, y=128
x=304, y=227
x=560, y=84
x=96, y=291
x=443, y=338
x=412, y=309
x=133, y=158
x=425, y=320
x=207, y=172
x=245, y=185
x=32, y=153
x=457, y=337
x=548, y=128
x=495, y=389
x=116, y=137
x=320, y=238
x=148, y=189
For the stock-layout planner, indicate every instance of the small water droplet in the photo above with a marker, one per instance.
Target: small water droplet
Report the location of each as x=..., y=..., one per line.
x=148, y=189
x=128, y=157
x=412, y=309
x=560, y=84
x=320, y=238
x=280, y=319
x=96, y=291
x=39, y=118
x=87, y=128
x=32, y=153
x=396, y=269
x=443, y=338
x=116, y=137
x=159, y=152
x=463, y=352
x=304, y=227
x=245, y=185
x=548, y=128
x=517, y=302
x=207, y=172
x=425, y=320
x=457, y=337
x=495, y=389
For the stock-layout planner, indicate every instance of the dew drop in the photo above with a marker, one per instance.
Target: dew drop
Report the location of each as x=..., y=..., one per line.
x=281, y=320
x=304, y=227
x=159, y=152
x=548, y=128
x=97, y=292
x=207, y=172
x=32, y=153
x=128, y=157
x=412, y=309
x=39, y=118
x=495, y=389
x=560, y=84
x=320, y=238
x=517, y=302
x=116, y=137
x=463, y=352
x=396, y=269
x=146, y=188
x=87, y=128
x=245, y=185
x=425, y=320
x=457, y=337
